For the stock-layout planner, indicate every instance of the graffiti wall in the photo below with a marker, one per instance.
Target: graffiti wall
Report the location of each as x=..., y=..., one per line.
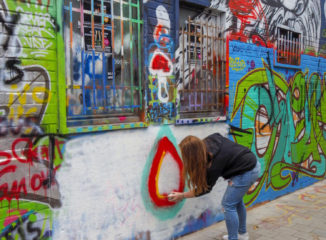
x=159, y=58
x=280, y=113
x=29, y=153
x=155, y=71
x=256, y=21
x=131, y=201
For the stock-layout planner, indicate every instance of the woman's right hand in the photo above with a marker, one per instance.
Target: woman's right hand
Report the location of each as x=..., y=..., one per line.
x=175, y=196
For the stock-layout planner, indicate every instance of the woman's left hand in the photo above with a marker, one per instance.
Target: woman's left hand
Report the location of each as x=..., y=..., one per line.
x=176, y=196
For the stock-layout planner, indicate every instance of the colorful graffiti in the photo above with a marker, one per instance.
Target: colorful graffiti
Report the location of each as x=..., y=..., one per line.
x=279, y=114
x=131, y=199
x=161, y=90
x=28, y=187
x=164, y=147
x=236, y=64
x=27, y=220
x=26, y=82
x=247, y=13
x=41, y=159
x=163, y=156
x=256, y=21
x=29, y=156
x=284, y=124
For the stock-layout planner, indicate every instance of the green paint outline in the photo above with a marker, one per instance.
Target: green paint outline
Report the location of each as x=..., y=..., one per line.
x=160, y=213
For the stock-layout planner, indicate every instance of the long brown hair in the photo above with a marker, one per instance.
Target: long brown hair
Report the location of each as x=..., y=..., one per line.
x=194, y=156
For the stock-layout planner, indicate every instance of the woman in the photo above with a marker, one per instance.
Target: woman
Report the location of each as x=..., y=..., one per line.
x=216, y=156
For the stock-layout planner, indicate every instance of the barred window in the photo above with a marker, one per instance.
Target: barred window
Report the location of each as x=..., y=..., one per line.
x=288, y=47
x=202, y=64
x=103, y=61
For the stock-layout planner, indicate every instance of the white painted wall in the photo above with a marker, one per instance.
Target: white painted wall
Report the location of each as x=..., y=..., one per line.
x=102, y=176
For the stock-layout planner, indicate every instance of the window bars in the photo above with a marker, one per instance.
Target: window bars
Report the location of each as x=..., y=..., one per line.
x=104, y=67
x=288, y=47
x=202, y=70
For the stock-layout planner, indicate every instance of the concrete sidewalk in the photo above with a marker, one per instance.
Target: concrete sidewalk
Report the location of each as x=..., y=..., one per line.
x=297, y=216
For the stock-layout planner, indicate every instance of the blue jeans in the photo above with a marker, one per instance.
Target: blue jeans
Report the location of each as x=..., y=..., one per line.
x=234, y=209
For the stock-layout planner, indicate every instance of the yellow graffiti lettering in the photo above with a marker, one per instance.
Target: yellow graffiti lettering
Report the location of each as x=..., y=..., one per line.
x=236, y=64
x=31, y=111
x=16, y=96
x=17, y=102
x=38, y=95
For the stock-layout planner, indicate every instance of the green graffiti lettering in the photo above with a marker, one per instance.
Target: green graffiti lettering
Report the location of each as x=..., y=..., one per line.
x=287, y=121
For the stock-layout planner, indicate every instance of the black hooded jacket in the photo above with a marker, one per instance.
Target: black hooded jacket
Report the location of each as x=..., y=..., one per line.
x=226, y=159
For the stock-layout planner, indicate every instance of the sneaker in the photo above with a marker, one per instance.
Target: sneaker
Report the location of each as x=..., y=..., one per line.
x=244, y=236
x=225, y=237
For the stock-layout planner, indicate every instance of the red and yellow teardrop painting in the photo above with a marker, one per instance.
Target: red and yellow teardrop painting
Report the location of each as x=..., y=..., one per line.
x=164, y=146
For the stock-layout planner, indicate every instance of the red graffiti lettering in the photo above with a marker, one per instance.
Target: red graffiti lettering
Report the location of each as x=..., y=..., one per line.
x=26, y=155
x=26, y=171
x=6, y=155
x=44, y=152
x=37, y=181
x=15, y=190
x=57, y=144
x=7, y=169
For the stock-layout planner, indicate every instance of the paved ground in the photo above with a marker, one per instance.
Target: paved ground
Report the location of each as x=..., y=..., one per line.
x=297, y=216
